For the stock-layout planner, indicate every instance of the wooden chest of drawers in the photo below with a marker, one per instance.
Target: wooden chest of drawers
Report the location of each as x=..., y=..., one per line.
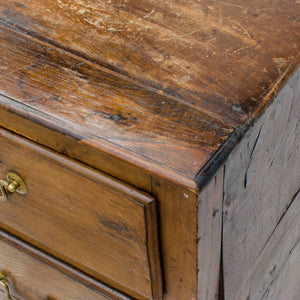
x=159, y=142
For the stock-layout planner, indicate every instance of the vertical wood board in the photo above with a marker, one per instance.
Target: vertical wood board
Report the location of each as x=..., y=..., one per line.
x=262, y=174
x=276, y=273
x=209, y=237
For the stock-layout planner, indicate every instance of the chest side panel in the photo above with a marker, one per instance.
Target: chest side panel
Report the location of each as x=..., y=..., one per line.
x=262, y=176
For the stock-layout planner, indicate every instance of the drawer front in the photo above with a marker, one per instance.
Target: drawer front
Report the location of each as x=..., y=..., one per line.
x=89, y=220
x=33, y=275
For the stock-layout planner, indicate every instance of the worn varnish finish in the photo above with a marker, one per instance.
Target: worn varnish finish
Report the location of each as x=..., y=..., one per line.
x=65, y=201
x=23, y=120
x=98, y=105
x=196, y=107
x=190, y=50
x=155, y=94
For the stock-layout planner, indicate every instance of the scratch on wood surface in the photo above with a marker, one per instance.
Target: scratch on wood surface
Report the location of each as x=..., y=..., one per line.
x=281, y=62
x=275, y=87
x=175, y=38
x=149, y=14
x=244, y=37
x=241, y=49
x=244, y=30
x=16, y=70
x=232, y=5
x=269, y=9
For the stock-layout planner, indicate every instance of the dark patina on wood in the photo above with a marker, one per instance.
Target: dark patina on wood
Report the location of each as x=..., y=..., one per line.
x=153, y=78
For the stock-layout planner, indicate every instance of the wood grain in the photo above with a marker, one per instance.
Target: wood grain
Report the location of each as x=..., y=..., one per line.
x=262, y=175
x=220, y=56
x=210, y=238
x=31, y=279
x=25, y=121
x=157, y=94
x=61, y=266
x=152, y=79
x=98, y=106
x=178, y=210
x=276, y=273
x=89, y=220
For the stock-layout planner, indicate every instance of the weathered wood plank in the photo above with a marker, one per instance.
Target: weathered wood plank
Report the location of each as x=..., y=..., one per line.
x=210, y=237
x=262, y=175
x=276, y=273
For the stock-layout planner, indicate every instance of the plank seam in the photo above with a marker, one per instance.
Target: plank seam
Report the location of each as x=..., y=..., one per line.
x=279, y=221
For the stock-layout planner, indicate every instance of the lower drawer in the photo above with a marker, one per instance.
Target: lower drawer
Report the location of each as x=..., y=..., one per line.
x=33, y=275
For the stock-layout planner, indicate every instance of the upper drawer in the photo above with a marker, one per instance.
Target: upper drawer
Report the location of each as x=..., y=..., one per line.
x=101, y=226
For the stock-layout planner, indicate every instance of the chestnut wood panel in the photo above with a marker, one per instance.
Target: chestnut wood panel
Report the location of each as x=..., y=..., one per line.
x=98, y=106
x=30, y=277
x=262, y=176
x=89, y=220
x=221, y=56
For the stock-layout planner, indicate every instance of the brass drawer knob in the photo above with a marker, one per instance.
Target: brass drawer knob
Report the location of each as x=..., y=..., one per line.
x=4, y=283
x=12, y=183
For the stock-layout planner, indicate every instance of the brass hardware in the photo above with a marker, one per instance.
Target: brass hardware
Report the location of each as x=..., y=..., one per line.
x=13, y=183
x=4, y=283
x=3, y=196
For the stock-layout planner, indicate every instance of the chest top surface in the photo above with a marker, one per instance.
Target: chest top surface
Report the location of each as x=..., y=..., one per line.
x=165, y=82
